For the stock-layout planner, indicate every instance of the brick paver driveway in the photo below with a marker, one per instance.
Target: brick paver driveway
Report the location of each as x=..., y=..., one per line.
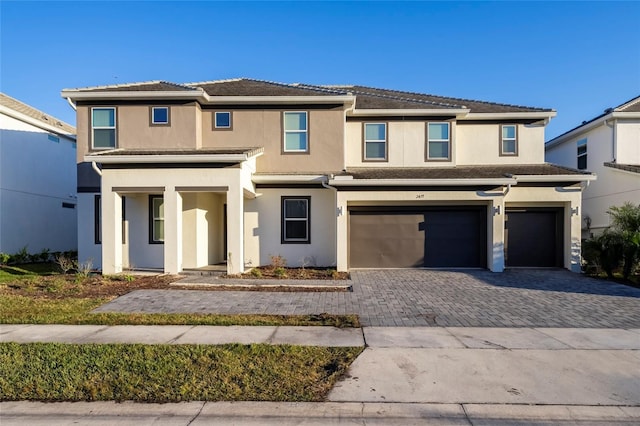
x=515, y=298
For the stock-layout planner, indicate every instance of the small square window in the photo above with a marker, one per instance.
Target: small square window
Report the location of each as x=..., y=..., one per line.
x=160, y=115
x=222, y=120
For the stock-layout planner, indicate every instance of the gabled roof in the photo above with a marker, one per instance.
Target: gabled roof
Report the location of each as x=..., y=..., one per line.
x=37, y=115
x=366, y=98
x=631, y=106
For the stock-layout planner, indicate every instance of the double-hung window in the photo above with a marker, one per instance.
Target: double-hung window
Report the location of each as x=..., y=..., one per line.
x=375, y=141
x=509, y=140
x=438, y=141
x=582, y=154
x=296, y=220
x=156, y=219
x=160, y=116
x=295, y=131
x=103, y=127
x=222, y=120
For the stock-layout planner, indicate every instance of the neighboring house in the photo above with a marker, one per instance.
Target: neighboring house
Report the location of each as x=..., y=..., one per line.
x=609, y=146
x=37, y=180
x=180, y=176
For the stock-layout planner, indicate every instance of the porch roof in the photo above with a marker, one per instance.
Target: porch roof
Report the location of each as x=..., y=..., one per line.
x=208, y=155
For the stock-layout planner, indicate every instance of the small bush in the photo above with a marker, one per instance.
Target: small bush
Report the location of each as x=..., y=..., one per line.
x=277, y=261
x=66, y=264
x=4, y=258
x=255, y=272
x=280, y=272
x=22, y=256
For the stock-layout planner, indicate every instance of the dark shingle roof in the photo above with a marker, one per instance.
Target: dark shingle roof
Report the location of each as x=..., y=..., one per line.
x=251, y=87
x=22, y=108
x=146, y=86
x=627, y=167
x=461, y=172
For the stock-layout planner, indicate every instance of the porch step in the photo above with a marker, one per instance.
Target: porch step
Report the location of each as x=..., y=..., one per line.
x=202, y=273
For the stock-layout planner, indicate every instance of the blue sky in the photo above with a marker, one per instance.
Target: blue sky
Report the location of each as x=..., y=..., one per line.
x=576, y=57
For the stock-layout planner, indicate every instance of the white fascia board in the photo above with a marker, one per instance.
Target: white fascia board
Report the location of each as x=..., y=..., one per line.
x=196, y=158
x=37, y=123
x=422, y=182
x=589, y=126
x=457, y=112
x=280, y=99
x=538, y=115
x=165, y=95
x=289, y=178
x=554, y=178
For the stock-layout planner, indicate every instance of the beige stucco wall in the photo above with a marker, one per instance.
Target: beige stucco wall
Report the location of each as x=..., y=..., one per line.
x=262, y=233
x=263, y=128
x=628, y=142
x=478, y=144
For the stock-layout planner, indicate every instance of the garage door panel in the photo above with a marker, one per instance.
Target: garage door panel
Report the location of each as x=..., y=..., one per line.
x=534, y=238
x=431, y=238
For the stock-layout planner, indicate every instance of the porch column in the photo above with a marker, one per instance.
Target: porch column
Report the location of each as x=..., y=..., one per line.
x=172, y=231
x=111, y=213
x=235, y=229
x=342, y=255
x=495, y=232
x=574, y=211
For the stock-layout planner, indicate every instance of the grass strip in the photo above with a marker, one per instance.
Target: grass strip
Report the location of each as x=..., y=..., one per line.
x=26, y=310
x=169, y=373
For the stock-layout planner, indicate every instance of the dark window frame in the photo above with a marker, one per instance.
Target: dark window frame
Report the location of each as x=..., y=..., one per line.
x=97, y=219
x=283, y=220
x=152, y=219
x=152, y=121
x=582, y=156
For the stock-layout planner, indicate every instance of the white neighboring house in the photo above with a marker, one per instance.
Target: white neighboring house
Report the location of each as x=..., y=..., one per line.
x=37, y=180
x=609, y=146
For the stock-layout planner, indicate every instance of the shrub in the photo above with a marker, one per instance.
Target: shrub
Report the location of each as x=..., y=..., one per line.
x=277, y=261
x=65, y=263
x=22, y=256
x=255, y=272
x=4, y=258
x=626, y=224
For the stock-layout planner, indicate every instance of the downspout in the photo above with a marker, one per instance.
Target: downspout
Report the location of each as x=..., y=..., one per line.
x=72, y=104
x=96, y=168
x=338, y=213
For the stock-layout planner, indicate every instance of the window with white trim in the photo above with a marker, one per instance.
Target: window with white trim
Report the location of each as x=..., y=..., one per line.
x=375, y=141
x=295, y=131
x=296, y=220
x=103, y=128
x=156, y=219
x=438, y=141
x=582, y=154
x=509, y=139
x=160, y=116
x=222, y=120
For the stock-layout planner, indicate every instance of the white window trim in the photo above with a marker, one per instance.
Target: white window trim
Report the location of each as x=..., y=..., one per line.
x=215, y=119
x=115, y=126
x=305, y=219
x=154, y=219
x=375, y=141
x=285, y=131
x=153, y=117
x=514, y=139
x=448, y=140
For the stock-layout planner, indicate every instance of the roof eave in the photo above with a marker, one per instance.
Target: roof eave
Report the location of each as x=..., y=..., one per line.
x=583, y=128
x=34, y=122
x=171, y=158
x=369, y=112
x=422, y=182
x=79, y=95
x=555, y=178
x=275, y=179
x=536, y=115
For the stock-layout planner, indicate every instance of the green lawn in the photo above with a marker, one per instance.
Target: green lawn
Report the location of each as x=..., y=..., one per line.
x=169, y=373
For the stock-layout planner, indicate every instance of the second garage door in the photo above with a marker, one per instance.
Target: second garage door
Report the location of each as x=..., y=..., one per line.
x=417, y=237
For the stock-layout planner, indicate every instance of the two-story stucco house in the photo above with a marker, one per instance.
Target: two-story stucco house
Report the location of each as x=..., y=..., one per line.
x=609, y=146
x=177, y=176
x=37, y=180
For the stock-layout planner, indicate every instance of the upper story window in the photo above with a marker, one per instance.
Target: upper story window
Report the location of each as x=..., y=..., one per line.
x=509, y=140
x=103, y=128
x=375, y=141
x=222, y=120
x=160, y=116
x=582, y=154
x=295, y=131
x=296, y=220
x=438, y=142
x=156, y=219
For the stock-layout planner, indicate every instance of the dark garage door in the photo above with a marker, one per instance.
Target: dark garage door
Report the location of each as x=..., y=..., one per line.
x=417, y=237
x=533, y=237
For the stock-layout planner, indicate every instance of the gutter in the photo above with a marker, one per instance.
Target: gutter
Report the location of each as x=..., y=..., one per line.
x=289, y=179
x=200, y=158
x=422, y=182
x=555, y=178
